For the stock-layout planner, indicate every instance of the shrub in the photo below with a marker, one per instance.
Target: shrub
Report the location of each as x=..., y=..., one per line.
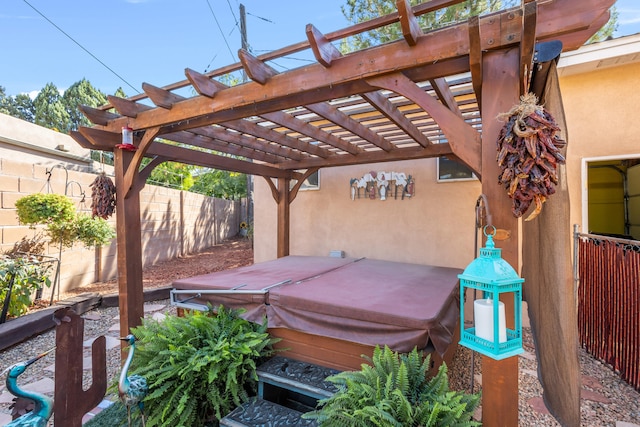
x=28, y=275
x=395, y=391
x=198, y=367
x=39, y=208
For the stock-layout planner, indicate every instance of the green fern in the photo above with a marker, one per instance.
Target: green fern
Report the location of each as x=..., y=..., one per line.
x=198, y=367
x=393, y=390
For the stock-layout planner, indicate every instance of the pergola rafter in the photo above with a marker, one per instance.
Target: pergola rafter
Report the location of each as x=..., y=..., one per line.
x=430, y=94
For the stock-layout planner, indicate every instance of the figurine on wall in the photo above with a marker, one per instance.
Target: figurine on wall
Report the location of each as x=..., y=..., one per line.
x=383, y=184
x=409, y=189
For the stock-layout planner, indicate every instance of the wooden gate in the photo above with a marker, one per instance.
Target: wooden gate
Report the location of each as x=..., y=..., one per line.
x=608, y=273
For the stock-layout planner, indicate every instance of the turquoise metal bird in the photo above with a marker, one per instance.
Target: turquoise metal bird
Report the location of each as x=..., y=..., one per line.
x=43, y=409
x=132, y=389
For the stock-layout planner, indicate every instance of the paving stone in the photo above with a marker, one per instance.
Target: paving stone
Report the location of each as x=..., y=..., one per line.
x=594, y=396
x=111, y=342
x=538, y=405
x=149, y=308
x=91, y=316
x=591, y=382
x=158, y=317
x=528, y=355
x=626, y=424
x=530, y=372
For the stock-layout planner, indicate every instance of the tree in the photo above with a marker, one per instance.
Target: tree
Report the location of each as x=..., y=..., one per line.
x=20, y=106
x=221, y=184
x=49, y=109
x=81, y=93
x=173, y=175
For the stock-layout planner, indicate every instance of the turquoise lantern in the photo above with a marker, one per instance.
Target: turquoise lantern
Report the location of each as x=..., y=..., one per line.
x=493, y=276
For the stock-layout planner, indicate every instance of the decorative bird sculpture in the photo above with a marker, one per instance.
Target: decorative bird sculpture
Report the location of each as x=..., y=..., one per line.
x=132, y=389
x=43, y=408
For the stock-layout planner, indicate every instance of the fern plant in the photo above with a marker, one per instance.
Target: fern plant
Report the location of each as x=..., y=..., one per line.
x=394, y=391
x=198, y=367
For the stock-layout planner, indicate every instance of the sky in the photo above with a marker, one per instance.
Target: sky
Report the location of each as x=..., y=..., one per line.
x=123, y=43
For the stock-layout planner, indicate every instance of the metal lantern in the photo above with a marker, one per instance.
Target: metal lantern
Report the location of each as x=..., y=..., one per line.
x=493, y=276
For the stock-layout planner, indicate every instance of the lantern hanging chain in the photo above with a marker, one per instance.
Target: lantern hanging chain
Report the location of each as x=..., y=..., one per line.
x=482, y=214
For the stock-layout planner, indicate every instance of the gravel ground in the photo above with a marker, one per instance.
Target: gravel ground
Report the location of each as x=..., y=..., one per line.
x=610, y=398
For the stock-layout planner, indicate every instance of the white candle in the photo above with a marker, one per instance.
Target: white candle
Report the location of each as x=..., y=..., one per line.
x=483, y=318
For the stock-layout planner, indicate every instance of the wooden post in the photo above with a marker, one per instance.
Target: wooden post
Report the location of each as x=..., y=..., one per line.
x=500, y=92
x=284, y=203
x=131, y=297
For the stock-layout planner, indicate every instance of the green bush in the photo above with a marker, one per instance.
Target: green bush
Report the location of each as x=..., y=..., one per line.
x=40, y=208
x=28, y=275
x=198, y=367
x=63, y=224
x=394, y=391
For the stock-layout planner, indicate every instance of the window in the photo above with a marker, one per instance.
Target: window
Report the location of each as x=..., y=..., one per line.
x=449, y=170
x=311, y=183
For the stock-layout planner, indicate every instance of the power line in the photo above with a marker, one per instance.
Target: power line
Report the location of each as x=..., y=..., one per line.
x=220, y=28
x=81, y=47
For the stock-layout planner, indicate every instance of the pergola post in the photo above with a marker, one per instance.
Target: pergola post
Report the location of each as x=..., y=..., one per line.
x=500, y=91
x=284, y=202
x=129, y=246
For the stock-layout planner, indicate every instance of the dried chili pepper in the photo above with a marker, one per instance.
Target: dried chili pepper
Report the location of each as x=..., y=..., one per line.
x=529, y=151
x=103, y=196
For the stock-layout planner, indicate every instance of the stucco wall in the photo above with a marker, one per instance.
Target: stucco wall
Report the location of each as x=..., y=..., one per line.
x=174, y=222
x=600, y=108
x=434, y=227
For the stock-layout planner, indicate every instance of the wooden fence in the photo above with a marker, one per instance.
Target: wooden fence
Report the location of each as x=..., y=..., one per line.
x=608, y=272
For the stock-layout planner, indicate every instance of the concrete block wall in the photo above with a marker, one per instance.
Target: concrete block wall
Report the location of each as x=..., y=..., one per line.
x=174, y=222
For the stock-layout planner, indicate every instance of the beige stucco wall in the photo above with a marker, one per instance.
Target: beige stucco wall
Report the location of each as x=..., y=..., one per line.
x=600, y=108
x=434, y=227
x=600, y=99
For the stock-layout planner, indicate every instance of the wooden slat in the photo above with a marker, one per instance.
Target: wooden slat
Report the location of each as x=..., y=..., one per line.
x=272, y=135
x=162, y=98
x=441, y=87
x=410, y=27
x=464, y=140
x=475, y=58
x=257, y=70
x=126, y=107
x=411, y=153
x=322, y=48
x=203, y=84
x=527, y=45
x=336, y=116
x=288, y=121
x=96, y=116
x=383, y=105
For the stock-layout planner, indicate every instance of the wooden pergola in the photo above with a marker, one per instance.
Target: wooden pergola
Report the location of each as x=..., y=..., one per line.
x=429, y=94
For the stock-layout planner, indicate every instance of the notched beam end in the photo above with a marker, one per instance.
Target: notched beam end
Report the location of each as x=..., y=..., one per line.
x=257, y=70
x=96, y=116
x=410, y=27
x=323, y=50
x=202, y=84
x=161, y=97
x=127, y=107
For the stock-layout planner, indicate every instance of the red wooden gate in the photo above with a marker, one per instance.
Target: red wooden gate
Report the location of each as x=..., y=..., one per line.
x=609, y=302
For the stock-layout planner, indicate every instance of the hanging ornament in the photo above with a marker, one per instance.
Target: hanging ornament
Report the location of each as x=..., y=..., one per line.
x=103, y=196
x=528, y=155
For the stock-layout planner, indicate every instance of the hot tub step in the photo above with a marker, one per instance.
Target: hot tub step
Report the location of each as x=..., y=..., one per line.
x=299, y=377
x=263, y=413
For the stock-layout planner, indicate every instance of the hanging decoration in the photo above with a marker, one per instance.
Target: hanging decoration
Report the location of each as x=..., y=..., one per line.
x=103, y=196
x=382, y=185
x=528, y=155
x=492, y=275
x=127, y=140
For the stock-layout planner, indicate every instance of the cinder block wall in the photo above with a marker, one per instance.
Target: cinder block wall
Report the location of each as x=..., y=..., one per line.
x=174, y=223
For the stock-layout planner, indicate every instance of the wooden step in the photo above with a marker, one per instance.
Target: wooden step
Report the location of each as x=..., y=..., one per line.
x=299, y=377
x=263, y=413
